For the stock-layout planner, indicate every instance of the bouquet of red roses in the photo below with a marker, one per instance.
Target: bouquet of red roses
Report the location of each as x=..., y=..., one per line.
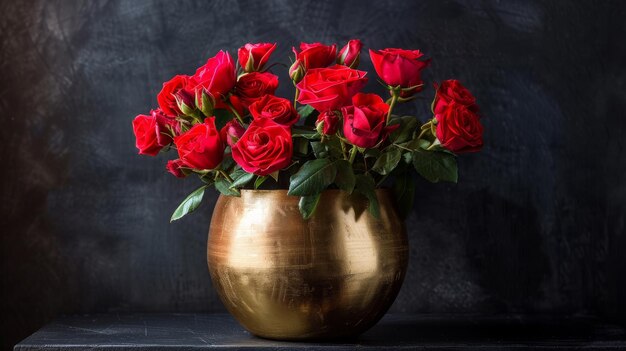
x=230, y=130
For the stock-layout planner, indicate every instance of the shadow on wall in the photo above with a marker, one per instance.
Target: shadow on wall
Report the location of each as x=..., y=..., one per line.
x=34, y=270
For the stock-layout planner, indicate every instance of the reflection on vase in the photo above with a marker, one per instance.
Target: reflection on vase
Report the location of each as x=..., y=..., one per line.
x=283, y=277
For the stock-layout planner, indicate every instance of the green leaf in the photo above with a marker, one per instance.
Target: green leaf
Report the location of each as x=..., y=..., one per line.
x=227, y=162
x=319, y=149
x=313, y=177
x=301, y=146
x=223, y=186
x=388, y=160
x=274, y=176
x=369, y=153
x=436, y=166
x=366, y=186
x=345, y=178
x=304, y=133
x=404, y=190
x=240, y=178
x=308, y=204
x=305, y=111
x=408, y=124
x=191, y=202
x=221, y=117
x=407, y=158
x=201, y=172
x=333, y=145
x=259, y=181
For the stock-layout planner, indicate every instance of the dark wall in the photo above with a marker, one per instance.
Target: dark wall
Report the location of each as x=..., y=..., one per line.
x=535, y=225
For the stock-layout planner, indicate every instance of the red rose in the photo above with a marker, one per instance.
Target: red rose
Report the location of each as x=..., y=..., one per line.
x=364, y=122
x=453, y=90
x=174, y=167
x=331, y=122
x=252, y=57
x=399, y=67
x=153, y=132
x=201, y=147
x=252, y=86
x=166, y=127
x=275, y=108
x=217, y=76
x=174, y=88
x=144, y=128
x=349, y=54
x=231, y=132
x=459, y=129
x=315, y=55
x=328, y=89
x=264, y=148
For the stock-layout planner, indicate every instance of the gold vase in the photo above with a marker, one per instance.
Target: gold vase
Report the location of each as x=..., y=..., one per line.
x=282, y=277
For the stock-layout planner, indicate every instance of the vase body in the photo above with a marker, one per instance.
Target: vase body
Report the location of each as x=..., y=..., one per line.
x=283, y=277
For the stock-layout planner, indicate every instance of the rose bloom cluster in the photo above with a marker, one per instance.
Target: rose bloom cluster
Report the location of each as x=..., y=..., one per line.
x=258, y=132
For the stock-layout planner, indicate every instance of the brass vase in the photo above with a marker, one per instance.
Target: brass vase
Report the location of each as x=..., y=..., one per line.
x=282, y=277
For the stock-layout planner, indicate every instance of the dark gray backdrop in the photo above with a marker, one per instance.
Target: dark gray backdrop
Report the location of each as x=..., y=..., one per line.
x=536, y=224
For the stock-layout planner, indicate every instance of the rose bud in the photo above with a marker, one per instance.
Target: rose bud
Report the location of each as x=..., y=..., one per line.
x=277, y=109
x=185, y=101
x=349, y=54
x=205, y=101
x=216, y=76
x=459, y=129
x=329, y=121
x=453, y=90
x=315, y=55
x=296, y=71
x=252, y=57
x=174, y=167
x=166, y=127
x=231, y=132
x=174, y=90
x=201, y=147
x=252, y=86
x=266, y=147
x=398, y=67
x=329, y=89
x=364, y=122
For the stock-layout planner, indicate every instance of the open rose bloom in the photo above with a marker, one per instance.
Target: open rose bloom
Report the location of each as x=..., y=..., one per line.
x=225, y=125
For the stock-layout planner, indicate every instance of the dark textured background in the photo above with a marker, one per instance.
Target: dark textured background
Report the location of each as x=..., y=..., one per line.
x=536, y=224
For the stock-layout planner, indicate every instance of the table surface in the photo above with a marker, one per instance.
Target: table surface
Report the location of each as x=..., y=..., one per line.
x=393, y=332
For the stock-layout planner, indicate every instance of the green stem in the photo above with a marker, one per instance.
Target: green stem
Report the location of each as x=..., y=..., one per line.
x=225, y=175
x=343, y=149
x=234, y=111
x=402, y=147
x=394, y=99
x=424, y=130
x=295, y=97
x=196, y=117
x=353, y=154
